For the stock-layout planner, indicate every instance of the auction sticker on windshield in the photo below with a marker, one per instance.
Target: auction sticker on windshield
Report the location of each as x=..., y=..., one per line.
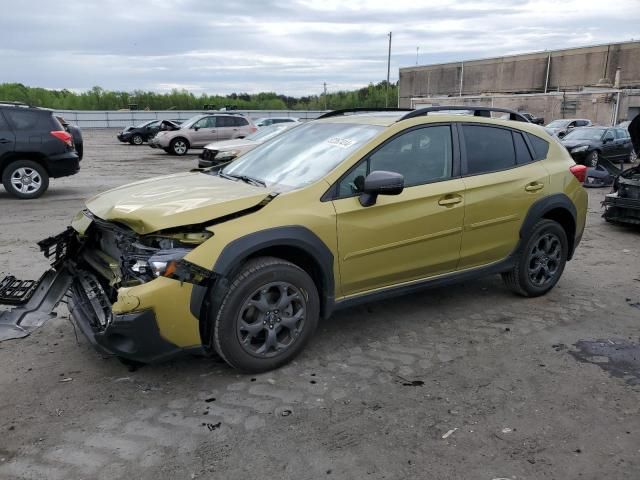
x=341, y=142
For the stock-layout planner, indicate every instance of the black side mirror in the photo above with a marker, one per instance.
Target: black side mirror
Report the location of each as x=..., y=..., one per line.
x=381, y=183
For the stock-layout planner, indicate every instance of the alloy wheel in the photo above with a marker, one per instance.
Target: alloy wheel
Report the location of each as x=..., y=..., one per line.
x=137, y=139
x=271, y=319
x=544, y=259
x=180, y=147
x=26, y=180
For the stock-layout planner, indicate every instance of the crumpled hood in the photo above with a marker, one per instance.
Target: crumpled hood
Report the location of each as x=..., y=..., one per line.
x=174, y=200
x=229, y=144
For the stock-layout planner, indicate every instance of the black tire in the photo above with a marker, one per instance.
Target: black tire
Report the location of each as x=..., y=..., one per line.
x=25, y=179
x=592, y=159
x=137, y=139
x=265, y=278
x=528, y=277
x=179, y=146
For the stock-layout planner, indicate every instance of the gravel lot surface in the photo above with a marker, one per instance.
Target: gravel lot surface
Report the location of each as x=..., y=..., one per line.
x=464, y=382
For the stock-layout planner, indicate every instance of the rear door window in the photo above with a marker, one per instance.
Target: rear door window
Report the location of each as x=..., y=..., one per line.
x=488, y=149
x=240, y=122
x=3, y=123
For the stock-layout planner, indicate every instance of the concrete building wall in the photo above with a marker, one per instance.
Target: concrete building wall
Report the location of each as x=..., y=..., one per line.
x=567, y=70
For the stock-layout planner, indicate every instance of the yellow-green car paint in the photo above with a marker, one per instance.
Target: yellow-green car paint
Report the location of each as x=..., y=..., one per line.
x=399, y=240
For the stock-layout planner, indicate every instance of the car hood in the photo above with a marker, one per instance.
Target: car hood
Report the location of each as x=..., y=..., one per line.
x=575, y=143
x=174, y=200
x=230, y=144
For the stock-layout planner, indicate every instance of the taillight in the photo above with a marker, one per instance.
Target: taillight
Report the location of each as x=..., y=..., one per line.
x=64, y=136
x=254, y=129
x=580, y=172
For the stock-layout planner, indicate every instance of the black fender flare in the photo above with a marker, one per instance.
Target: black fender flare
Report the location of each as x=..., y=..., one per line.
x=235, y=253
x=542, y=207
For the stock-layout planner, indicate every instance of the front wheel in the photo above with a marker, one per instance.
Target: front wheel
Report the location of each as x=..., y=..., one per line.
x=25, y=179
x=268, y=315
x=179, y=146
x=137, y=139
x=592, y=159
x=541, y=261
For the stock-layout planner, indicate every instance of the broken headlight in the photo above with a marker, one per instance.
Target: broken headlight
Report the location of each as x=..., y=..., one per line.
x=164, y=262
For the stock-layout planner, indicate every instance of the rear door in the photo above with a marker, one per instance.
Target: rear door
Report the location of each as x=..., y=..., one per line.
x=502, y=180
x=7, y=137
x=609, y=147
x=226, y=127
x=623, y=144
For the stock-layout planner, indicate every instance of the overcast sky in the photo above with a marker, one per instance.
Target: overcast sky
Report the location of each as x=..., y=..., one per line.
x=290, y=47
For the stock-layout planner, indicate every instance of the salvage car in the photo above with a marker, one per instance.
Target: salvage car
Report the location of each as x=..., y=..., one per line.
x=622, y=205
x=202, y=129
x=139, y=134
x=559, y=128
x=227, y=150
x=532, y=118
x=34, y=147
x=76, y=136
x=587, y=145
x=243, y=261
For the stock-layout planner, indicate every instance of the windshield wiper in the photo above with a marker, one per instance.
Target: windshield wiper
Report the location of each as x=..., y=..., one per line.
x=244, y=178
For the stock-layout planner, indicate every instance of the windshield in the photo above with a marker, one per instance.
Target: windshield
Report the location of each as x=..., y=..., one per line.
x=302, y=155
x=267, y=132
x=585, y=134
x=144, y=124
x=191, y=121
x=558, y=123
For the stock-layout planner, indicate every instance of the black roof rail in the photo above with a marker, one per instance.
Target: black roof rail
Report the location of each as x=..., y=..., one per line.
x=477, y=112
x=336, y=113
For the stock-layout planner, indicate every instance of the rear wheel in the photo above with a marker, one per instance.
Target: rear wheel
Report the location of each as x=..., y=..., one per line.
x=593, y=158
x=541, y=262
x=137, y=139
x=179, y=146
x=268, y=315
x=25, y=179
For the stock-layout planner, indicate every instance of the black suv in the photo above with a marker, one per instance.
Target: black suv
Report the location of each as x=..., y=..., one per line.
x=34, y=146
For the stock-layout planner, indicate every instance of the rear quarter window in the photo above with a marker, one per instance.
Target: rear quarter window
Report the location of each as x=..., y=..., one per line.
x=522, y=151
x=240, y=122
x=26, y=120
x=540, y=147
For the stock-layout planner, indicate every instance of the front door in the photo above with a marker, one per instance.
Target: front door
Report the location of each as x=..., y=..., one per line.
x=502, y=181
x=204, y=131
x=410, y=236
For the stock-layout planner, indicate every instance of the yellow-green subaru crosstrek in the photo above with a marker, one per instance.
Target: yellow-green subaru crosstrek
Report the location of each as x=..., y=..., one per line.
x=244, y=260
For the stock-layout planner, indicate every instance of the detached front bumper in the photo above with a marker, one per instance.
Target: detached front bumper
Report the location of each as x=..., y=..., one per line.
x=134, y=336
x=623, y=210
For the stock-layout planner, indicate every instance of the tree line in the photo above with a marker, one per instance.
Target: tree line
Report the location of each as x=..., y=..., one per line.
x=98, y=98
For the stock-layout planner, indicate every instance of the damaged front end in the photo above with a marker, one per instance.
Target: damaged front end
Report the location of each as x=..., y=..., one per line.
x=622, y=205
x=94, y=264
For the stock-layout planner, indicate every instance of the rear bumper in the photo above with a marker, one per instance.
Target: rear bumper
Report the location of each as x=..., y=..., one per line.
x=63, y=165
x=134, y=336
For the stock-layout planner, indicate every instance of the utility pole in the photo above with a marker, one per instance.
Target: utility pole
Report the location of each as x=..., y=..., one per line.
x=386, y=92
x=417, y=52
x=325, y=95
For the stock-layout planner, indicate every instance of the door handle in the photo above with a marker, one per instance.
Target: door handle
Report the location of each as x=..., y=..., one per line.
x=534, y=187
x=4, y=140
x=446, y=201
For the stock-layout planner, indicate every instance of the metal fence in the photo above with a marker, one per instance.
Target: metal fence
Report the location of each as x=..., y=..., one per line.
x=124, y=118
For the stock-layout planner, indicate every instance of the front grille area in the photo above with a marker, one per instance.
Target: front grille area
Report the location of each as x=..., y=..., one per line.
x=90, y=300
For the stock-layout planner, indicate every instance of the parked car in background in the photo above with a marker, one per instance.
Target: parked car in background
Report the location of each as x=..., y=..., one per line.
x=587, y=145
x=202, y=129
x=266, y=121
x=226, y=150
x=139, y=134
x=34, y=147
x=560, y=128
x=532, y=118
x=76, y=134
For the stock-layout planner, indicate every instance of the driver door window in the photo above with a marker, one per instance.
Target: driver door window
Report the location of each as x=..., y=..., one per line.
x=423, y=155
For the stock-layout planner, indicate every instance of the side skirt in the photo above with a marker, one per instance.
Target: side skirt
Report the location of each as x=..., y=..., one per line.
x=417, y=285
